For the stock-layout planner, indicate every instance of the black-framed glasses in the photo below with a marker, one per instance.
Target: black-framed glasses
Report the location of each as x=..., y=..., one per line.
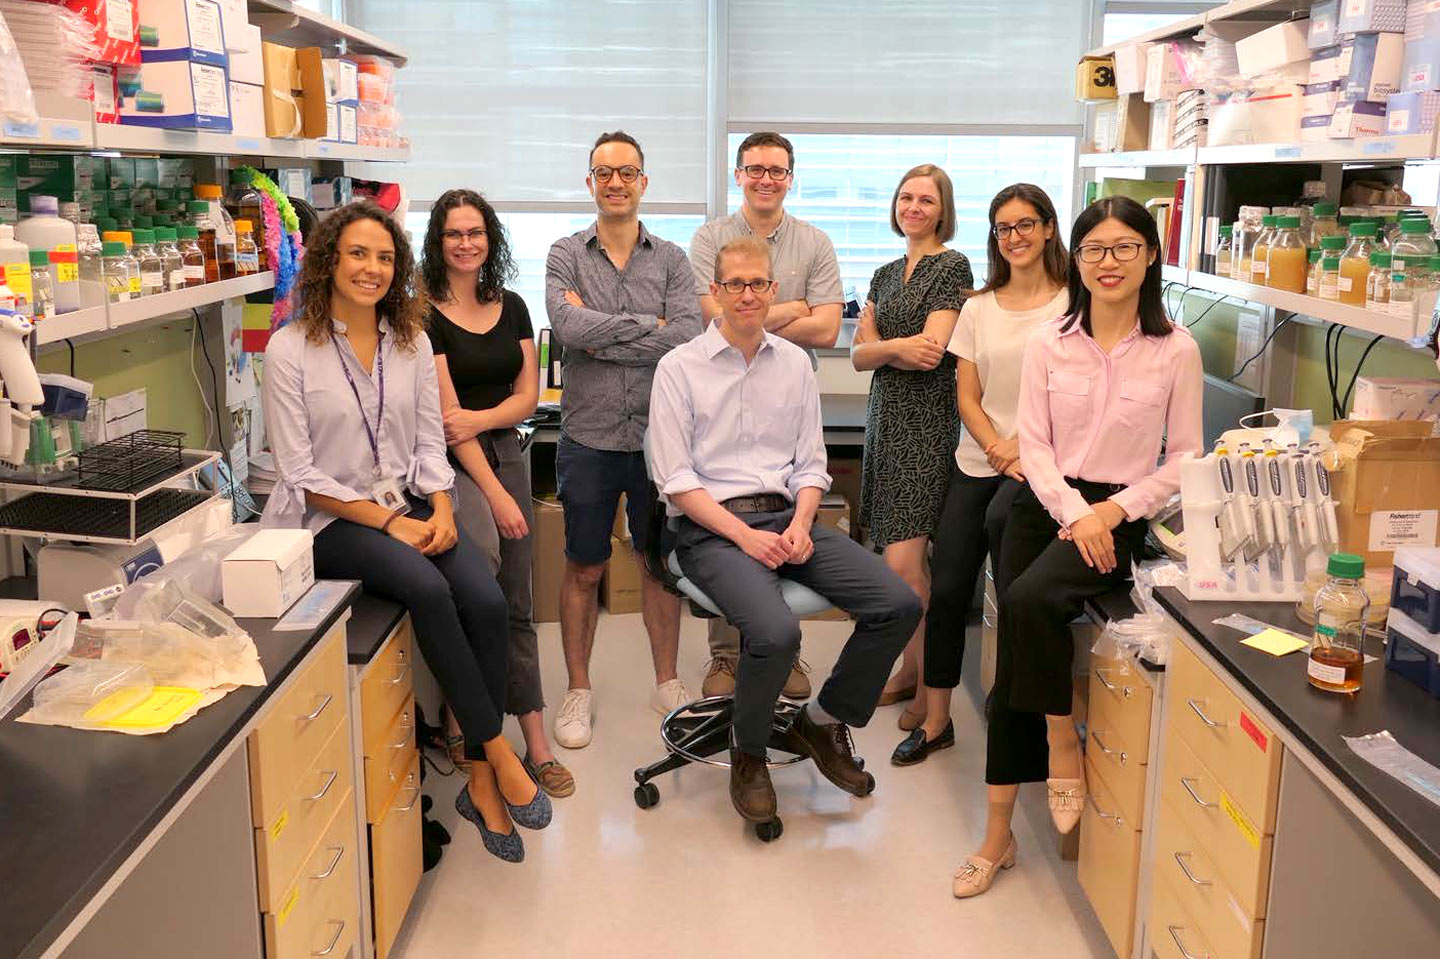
x=1023, y=227
x=736, y=287
x=1124, y=252
x=755, y=171
x=455, y=236
x=627, y=174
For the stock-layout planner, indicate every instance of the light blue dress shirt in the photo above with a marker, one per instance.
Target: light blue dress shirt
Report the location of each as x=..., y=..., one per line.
x=732, y=429
x=318, y=437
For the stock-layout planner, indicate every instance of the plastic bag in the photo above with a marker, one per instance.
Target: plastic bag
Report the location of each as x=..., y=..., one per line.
x=89, y=695
x=1384, y=752
x=197, y=568
x=171, y=601
x=174, y=655
x=17, y=100
x=1146, y=636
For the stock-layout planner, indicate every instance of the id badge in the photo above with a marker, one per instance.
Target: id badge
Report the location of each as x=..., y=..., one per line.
x=391, y=495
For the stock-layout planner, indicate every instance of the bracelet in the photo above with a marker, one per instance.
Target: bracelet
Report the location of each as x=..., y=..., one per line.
x=385, y=527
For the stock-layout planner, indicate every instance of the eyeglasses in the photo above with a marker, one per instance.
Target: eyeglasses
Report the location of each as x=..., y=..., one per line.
x=628, y=174
x=736, y=287
x=755, y=172
x=455, y=236
x=1123, y=252
x=1023, y=227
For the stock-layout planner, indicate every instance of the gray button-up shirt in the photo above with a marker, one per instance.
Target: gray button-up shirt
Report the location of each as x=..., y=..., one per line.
x=802, y=258
x=613, y=343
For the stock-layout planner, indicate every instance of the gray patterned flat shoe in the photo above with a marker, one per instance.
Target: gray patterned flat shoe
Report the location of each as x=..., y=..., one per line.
x=509, y=847
x=535, y=814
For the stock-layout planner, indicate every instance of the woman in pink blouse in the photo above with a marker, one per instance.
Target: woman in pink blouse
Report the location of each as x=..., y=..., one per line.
x=1102, y=391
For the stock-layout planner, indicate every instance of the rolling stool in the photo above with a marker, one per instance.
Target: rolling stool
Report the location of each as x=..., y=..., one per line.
x=698, y=731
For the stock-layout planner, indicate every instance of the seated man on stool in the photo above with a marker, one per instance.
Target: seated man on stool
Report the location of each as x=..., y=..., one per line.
x=737, y=449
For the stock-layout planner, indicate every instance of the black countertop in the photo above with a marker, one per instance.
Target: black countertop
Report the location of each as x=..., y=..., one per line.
x=371, y=620
x=1319, y=719
x=75, y=804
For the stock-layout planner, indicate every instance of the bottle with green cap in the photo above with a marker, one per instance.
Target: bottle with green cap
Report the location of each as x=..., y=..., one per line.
x=1412, y=249
x=1224, y=250
x=1377, y=284
x=1337, y=653
x=1331, y=249
x=1260, y=252
x=1312, y=273
x=42, y=285
x=165, y=245
x=116, y=271
x=152, y=268
x=191, y=255
x=1355, y=263
x=1325, y=223
x=1285, y=264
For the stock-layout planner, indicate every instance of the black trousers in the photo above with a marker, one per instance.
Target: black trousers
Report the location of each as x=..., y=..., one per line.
x=856, y=580
x=971, y=523
x=1043, y=584
x=456, y=606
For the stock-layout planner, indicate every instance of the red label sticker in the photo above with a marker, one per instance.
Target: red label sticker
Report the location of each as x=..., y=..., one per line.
x=1253, y=731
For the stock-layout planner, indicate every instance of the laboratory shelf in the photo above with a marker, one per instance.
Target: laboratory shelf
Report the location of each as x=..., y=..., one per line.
x=289, y=23
x=65, y=326
x=324, y=150
x=1139, y=158
x=1185, y=28
x=1327, y=311
x=132, y=139
x=181, y=301
x=1419, y=146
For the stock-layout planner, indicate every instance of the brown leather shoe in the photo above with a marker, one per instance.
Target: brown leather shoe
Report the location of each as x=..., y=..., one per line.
x=829, y=748
x=750, y=789
x=797, y=686
x=719, y=678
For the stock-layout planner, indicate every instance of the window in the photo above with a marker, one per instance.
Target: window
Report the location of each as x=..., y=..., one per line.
x=844, y=182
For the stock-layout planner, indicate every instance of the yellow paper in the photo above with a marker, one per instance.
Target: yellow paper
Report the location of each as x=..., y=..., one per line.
x=1251, y=834
x=163, y=707
x=1274, y=642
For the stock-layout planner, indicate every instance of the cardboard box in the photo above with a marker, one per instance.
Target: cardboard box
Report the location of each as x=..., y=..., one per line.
x=1162, y=124
x=1273, y=48
x=248, y=65
x=1324, y=24
x=1095, y=78
x=1364, y=16
x=1103, y=131
x=180, y=95
x=342, y=81
x=1330, y=64
x=117, y=30
x=1420, y=69
x=340, y=123
x=1362, y=119
x=1164, y=78
x=265, y=575
x=1375, y=64
x=845, y=476
x=294, y=91
x=181, y=30
x=547, y=559
x=1396, y=398
x=235, y=18
x=1320, y=99
x=1315, y=129
x=1132, y=123
x=1407, y=113
x=1385, y=478
x=247, y=109
x=1131, y=64
x=620, y=588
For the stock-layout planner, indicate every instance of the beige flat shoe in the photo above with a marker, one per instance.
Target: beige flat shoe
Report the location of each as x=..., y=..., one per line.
x=889, y=697
x=1066, y=799
x=978, y=873
x=909, y=720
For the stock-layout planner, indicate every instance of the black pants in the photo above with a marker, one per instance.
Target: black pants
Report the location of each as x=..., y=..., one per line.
x=1043, y=584
x=856, y=580
x=455, y=605
x=970, y=526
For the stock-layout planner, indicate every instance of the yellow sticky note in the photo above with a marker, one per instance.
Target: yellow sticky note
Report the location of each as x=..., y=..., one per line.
x=1274, y=642
x=1251, y=834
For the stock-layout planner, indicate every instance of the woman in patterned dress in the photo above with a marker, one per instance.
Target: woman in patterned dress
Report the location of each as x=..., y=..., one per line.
x=912, y=424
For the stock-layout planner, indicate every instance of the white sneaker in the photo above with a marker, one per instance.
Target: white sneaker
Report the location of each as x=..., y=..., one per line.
x=574, y=718
x=669, y=696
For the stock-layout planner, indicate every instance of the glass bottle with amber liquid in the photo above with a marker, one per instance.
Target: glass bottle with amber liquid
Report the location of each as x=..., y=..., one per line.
x=1337, y=654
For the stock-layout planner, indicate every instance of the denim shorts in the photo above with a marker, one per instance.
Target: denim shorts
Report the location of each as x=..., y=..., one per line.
x=590, y=483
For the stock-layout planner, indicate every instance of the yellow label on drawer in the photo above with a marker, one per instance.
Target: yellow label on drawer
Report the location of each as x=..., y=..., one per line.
x=288, y=907
x=280, y=824
x=1251, y=834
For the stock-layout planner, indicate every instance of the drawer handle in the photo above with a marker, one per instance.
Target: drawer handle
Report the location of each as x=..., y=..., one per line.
x=411, y=804
x=1119, y=821
x=335, y=940
x=318, y=709
x=1186, y=781
x=400, y=675
x=1180, y=858
x=1095, y=735
x=1125, y=691
x=334, y=864
x=408, y=727
x=987, y=622
x=334, y=775
x=1203, y=718
x=1175, y=934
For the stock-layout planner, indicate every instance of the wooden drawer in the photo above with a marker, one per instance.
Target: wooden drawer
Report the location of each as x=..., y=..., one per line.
x=1181, y=858
x=387, y=764
x=386, y=684
x=283, y=842
x=1107, y=745
x=395, y=861
x=1231, y=742
x=1118, y=690
x=1109, y=862
x=297, y=726
x=1237, y=847
x=1174, y=934
x=324, y=896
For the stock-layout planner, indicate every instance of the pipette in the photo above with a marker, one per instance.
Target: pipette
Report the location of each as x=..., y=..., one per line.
x=1307, y=529
x=1252, y=497
x=1278, y=495
x=1235, y=537
x=1329, y=529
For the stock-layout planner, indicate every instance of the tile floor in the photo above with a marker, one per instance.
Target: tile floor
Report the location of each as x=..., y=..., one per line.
x=849, y=877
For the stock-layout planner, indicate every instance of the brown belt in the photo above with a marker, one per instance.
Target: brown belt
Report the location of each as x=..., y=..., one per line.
x=760, y=503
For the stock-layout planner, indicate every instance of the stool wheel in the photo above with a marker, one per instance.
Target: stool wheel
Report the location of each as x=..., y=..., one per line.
x=646, y=795
x=769, y=831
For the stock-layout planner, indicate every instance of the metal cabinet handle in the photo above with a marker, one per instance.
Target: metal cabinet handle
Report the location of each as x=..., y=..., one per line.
x=1175, y=934
x=1180, y=858
x=1203, y=804
x=406, y=739
x=987, y=622
x=1125, y=691
x=1106, y=815
x=411, y=804
x=1193, y=704
x=334, y=775
x=335, y=941
x=318, y=709
x=400, y=675
x=1095, y=735
x=334, y=864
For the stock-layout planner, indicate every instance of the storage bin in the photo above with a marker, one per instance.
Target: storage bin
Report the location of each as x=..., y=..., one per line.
x=1416, y=588
x=1413, y=653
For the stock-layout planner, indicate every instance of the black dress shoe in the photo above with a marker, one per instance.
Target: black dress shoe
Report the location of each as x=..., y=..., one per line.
x=750, y=789
x=829, y=748
x=915, y=748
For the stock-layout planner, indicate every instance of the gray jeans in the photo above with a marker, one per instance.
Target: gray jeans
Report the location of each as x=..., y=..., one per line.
x=510, y=561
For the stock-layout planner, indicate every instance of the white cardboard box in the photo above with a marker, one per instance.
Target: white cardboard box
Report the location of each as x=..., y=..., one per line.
x=247, y=109
x=247, y=65
x=342, y=81
x=235, y=16
x=1273, y=47
x=180, y=95
x=1163, y=78
x=185, y=30
x=1131, y=64
x=1359, y=119
x=1396, y=398
x=266, y=575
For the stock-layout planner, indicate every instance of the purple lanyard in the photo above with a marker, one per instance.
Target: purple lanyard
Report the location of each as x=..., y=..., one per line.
x=372, y=435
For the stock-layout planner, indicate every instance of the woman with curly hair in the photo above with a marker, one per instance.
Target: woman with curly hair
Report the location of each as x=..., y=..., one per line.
x=353, y=412
x=489, y=376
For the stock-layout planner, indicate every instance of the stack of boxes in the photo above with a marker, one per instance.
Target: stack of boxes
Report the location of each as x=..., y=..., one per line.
x=182, y=82
x=1360, y=45
x=117, y=46
x=247, y=73
x=1414, y=108
x=342, y=101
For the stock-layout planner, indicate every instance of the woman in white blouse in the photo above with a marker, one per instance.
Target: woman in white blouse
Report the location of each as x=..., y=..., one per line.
x=353, y=413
